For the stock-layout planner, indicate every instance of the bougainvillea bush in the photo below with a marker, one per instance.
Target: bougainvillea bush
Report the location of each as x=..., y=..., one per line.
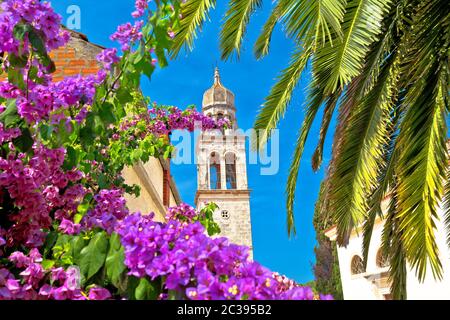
x=65, y=230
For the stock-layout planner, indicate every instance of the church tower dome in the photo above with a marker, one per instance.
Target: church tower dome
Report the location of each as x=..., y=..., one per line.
x=218, y=101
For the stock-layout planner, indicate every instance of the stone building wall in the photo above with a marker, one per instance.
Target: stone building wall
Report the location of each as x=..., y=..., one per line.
x=235, y=224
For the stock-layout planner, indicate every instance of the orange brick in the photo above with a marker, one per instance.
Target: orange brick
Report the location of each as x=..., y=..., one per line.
x=93, y=64
x=90, y=70
x=69, y=54
x=71, y=71
x=77, y=63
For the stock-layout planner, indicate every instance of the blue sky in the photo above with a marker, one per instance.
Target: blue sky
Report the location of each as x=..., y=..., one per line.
x=183, y=83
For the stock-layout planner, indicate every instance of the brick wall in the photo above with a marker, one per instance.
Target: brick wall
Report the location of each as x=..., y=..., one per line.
x=77, y=57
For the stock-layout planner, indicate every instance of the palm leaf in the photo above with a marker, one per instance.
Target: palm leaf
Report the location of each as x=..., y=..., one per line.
x=386, y=180
x=392, y=246
x=326, y=119
x=311, y=112
x=280, y=95
x=194, y=13
x=233, y=30
x=359, y=163
x=261, y=47
x=321, y=18
x=382, y=48
x=343, y=60
x=446, y=203
x=422, y=152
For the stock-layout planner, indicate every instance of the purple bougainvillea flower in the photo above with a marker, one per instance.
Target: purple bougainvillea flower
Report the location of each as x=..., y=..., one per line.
x=97, y=293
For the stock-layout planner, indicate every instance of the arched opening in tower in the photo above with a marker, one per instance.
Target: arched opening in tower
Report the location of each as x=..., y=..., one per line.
x=214, y=171
x=230, y=170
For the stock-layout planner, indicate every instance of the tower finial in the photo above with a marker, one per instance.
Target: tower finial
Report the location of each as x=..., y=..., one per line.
x=216, y=76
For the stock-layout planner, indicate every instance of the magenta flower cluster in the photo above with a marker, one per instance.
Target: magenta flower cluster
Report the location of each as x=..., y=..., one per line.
x=127, y=34
x=109, y=209
x=108, y=57
x=37, y=187
x=182, y=212
x=141, y=6
x=48, y=101
x=164, y=120
x=36, y=283
x=36, y=13
x=201, y=267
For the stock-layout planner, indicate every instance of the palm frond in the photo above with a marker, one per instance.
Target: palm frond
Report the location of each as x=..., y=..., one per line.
x=343, y=60
x=233, y=30
x=422, y=166
x=360, y=160
x=386, y=180
x=382, y=48
x=311, y=112
x=262, y=44
x=276, y=103
x=446, y=202
x=194, y=13
x=422, y=152
x=349, y=100
x=392, y=247
x=326, y=119
x=321, y=18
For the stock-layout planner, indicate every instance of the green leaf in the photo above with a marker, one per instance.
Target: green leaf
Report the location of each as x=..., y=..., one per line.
x=45, y=131
x=47, y=264
x=15, y=77
x=10, y=115
x=47, y=62
x=36, y=42
x=146, y=290
x=18, y=61
x=115, y=266
x=132, y=283
x=106, y=112
x=71, y=160
x=261, y=47
x=50, y=241
x=136, y=155
x=77, y=244
x=24, y=142
x=20, y=30
x=93, y=256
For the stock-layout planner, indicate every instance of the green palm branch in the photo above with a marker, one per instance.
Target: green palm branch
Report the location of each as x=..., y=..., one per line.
x=194, y=14
x=262, y=44
x=382, y=66
x=276, y=103
x=236, y=20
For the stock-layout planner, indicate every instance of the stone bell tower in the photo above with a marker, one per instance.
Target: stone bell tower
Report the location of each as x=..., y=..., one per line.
x=222, y=169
